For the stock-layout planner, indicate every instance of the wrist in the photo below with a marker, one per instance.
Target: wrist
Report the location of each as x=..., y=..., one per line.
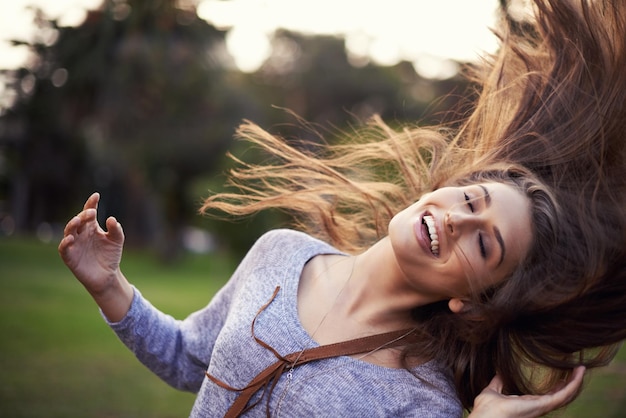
x=115, y=299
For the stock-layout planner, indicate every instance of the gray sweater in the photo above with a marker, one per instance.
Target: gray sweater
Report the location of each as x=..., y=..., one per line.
x=218, y=339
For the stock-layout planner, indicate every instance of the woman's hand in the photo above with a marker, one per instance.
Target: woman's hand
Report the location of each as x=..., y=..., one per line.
x=94, y=256
x=492, y=403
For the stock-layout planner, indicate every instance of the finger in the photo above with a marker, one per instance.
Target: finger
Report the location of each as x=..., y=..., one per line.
x=496, y=384
x=575, y=379
x=65, y=244
x=569, y=391
x=114, y=229
x=70, y=227
x=86, y=217
x=90, y=214
x=92, y=201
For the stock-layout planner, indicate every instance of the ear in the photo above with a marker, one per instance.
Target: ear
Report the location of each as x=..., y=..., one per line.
x=456, y=305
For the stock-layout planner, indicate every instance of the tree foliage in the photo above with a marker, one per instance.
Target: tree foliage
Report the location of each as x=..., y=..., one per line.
x=140, y=102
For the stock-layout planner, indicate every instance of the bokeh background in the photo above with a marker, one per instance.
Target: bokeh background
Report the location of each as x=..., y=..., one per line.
x=139, y=100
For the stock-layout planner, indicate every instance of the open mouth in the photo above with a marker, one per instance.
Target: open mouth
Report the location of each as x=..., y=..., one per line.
x=429, y=223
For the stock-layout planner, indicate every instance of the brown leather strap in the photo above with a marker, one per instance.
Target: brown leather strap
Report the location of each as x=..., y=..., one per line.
x=346, y=348
x=270, y=376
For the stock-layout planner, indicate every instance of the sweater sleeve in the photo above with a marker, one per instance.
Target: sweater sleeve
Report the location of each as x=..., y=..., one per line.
x=176, y=351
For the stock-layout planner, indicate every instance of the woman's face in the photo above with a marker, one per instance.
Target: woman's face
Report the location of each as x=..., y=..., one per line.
x=458, y=239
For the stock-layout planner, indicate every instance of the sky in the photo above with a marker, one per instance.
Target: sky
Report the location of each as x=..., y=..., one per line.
x=429, y=33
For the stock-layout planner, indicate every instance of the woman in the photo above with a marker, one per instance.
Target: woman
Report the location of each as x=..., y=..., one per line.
x=337, y=297
x=486, y=274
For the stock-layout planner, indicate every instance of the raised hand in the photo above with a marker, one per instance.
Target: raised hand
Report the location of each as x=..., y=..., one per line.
x=94, y=256
x=492, y=403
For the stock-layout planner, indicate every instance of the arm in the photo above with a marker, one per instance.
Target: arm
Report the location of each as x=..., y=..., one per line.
x=492, y=403
x=177, y=351
x=94, y=256
x=174, y=350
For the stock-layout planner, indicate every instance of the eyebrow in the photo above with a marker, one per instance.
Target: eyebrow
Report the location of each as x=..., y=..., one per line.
x=496, y=231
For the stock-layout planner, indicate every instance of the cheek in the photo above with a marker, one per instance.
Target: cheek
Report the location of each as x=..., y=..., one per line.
x=393, y=223
x=466, y=270
x=465, y=256
x=461, y=274
x=400, y=225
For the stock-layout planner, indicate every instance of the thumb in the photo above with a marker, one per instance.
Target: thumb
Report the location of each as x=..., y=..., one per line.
x=114, y=229
x=496, y=384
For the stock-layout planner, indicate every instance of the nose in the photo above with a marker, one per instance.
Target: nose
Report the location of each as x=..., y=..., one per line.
x=457, y=221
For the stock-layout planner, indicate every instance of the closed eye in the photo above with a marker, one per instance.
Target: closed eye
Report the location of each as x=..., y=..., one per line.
x=469, y=202
x=481, y=245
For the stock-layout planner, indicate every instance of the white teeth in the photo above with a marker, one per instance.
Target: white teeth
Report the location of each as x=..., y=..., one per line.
x=434, y=238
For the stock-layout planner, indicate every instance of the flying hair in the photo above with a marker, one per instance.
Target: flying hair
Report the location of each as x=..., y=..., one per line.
x=549, y=119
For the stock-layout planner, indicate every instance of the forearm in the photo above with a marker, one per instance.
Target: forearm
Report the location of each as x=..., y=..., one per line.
x=166, y=347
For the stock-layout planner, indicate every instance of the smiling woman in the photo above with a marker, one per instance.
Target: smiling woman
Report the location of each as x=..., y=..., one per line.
x=467, y=236
x=549, y=123
x=436, y=257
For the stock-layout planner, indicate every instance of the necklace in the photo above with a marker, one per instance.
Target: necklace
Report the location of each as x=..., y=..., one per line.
x=319, y=325
x=290, y=373
x=329, y=369
x=268, y=377
x=321, y=322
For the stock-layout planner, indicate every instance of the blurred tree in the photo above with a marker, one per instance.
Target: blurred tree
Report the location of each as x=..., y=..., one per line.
x=313, y=76
x=140, y=102
x=133, y=103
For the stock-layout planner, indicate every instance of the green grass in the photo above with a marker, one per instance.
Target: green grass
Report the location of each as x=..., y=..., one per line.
x=57, y=356
x=59, y=359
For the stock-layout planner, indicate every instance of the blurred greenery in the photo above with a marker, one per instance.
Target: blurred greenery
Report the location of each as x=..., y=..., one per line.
x=57, y=356
x=140, y=102
x=59, y=359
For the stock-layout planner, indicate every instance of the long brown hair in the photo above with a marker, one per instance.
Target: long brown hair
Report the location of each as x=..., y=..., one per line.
x=553, y=100
x=550, y=118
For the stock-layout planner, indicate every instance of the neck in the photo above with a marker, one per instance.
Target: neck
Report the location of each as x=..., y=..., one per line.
x=380, y=294
x=340, y=297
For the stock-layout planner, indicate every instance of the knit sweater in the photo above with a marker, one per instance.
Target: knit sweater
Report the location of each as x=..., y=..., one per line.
x=218, y=340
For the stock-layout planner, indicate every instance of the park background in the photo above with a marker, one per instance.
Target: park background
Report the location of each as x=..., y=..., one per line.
x=139, y=100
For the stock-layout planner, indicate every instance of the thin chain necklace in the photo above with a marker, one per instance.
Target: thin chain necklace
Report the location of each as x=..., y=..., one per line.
x=311, y=376
x=293, y=365
x=264, y=380
x=288, y=384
